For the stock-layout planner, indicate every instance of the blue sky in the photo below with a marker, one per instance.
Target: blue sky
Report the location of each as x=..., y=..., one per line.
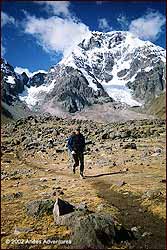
x=35, y=35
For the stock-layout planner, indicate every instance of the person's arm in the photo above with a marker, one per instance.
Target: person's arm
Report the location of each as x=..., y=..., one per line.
x=70, y=145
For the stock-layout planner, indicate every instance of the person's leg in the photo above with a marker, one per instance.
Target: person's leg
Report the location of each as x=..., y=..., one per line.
x=81, y=159
x=76, y=162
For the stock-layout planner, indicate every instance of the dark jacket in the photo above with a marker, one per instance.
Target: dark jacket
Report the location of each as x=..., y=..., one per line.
x=76, y=143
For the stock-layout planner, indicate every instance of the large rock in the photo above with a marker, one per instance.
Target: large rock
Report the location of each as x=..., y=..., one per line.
x=98, y=231
x=71, y=89
x=66, y=214
x=72, y=218
x=62, y=207
x=39, y=207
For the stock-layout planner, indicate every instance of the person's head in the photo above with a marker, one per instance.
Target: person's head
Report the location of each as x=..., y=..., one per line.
x=77, y=130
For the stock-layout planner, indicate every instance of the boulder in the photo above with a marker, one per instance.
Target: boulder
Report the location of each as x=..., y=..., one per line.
x=98, y=230
x=39, y=207
x=62, y=207
x=72, y=218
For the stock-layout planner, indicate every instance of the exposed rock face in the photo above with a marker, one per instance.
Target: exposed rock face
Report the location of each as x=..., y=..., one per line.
x=25, y=78
x=12, y=85
x=120, y=61
x=148, y=85
x=37, y=79
x=72, y=89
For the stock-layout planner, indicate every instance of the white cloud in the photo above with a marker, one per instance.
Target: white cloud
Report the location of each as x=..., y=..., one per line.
x=123, y=21
x=20, y=70
x=55, y=34
x=149, y=26
x=104, y=25
x=56, y=7
x=6, y=19
x=3, y=50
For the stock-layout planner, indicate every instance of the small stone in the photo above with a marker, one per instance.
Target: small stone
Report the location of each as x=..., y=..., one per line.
x=4, y=234
x=22, y=230
x=134, y=229
x=126, y=193
x=125, y=169
x=136, y=232
x=146, y=234
x=114, y=164
x=163, y=181
x=130, y=146
x=155, y=154
x=54, y=179
x=43, y=179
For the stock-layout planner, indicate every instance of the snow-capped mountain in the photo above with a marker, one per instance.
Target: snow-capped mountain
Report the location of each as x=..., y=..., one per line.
x=104, y=67
x=121, y=62
x=113, y=66
x=14, y=84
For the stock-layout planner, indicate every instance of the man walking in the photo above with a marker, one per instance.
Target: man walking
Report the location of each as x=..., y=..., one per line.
x=76, y=145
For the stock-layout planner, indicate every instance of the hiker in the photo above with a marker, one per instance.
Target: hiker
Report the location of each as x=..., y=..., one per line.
x=76, y=145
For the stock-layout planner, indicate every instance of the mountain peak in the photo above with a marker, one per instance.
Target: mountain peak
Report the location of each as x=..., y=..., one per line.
x=116, y=59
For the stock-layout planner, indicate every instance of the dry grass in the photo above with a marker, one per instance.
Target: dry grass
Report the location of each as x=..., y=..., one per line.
x=143, y=174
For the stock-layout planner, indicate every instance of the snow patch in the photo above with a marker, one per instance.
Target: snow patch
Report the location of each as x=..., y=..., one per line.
x=147, y=69
x=33, y=95
x=10, y=79
x=20, y=70
x=121, y=93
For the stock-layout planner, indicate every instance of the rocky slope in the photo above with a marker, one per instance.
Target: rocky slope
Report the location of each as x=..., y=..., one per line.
x=157, y=106
x=72, y=90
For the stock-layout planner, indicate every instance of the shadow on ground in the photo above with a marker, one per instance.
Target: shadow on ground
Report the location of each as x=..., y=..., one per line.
x=104, y=174
x=133, y=214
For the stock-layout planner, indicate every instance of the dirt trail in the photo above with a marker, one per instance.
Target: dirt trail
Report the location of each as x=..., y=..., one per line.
x=129, y=207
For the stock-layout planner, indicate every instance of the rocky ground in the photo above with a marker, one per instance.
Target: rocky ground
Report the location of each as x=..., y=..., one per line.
x=121, y=201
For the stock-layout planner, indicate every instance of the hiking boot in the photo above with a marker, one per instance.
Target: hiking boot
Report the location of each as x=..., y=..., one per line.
x=82, y=176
